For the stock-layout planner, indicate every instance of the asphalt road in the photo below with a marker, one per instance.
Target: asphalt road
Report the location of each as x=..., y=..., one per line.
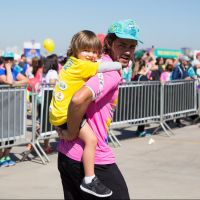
x=157, y=167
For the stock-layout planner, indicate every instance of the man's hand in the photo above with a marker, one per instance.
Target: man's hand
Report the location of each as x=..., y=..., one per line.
x=188, y=78
x=8, y=66
x=59, y=131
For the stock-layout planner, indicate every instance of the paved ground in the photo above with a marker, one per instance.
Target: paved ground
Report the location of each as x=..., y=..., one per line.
x=169, y=168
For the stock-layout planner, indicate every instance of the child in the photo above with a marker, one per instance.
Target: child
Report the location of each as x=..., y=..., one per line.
x=85, y=49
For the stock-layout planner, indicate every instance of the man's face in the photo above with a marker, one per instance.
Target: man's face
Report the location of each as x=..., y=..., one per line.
x=23, y=59
x=122, y=50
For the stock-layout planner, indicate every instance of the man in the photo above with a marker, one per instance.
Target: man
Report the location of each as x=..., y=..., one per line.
x=9, y=73
x=97, y=100
x=23, y=64
x=180, y=71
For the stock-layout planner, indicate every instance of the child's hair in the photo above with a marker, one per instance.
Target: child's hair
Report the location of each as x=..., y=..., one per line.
x=84, y=40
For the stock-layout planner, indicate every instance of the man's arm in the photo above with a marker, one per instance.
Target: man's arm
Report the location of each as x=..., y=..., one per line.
x=77, y=108
x=7, y=79
x=21, y=79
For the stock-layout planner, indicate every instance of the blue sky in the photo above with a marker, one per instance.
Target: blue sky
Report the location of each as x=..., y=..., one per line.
x=163, y=23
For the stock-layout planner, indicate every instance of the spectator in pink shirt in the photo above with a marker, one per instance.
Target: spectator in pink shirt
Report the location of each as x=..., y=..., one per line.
x=166, y=75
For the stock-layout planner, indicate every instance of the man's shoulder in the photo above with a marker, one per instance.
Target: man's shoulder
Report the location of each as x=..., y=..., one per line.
x=110, y=76
x=178, y=68
x=104, y=80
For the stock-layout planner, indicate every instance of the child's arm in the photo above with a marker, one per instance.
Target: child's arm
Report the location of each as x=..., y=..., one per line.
x=109, y=66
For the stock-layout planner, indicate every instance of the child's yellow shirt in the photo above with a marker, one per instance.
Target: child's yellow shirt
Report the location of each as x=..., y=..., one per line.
x=72, y=77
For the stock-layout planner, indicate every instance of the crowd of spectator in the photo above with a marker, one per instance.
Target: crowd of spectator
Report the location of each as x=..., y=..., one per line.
x=33, y=72
x=163, y=69
x=147, y=67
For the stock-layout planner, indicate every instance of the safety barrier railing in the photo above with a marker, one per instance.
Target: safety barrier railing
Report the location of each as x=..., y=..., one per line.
x=152, y=102
x=12, y=115
x=143, y=102
x=13, y=118
x=138, y=103
x=41, y=113
x=178, y=99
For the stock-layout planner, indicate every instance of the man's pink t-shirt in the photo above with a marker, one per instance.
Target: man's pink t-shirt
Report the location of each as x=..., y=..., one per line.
x=104, y=87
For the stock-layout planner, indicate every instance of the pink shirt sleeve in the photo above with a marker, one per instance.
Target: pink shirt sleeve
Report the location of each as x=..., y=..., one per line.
x=105, y=82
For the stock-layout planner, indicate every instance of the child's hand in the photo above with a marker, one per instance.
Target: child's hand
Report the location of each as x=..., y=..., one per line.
x=59, y=131
x=65, y=135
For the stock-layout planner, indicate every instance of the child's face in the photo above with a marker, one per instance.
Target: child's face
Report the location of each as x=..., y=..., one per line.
x=88, y=55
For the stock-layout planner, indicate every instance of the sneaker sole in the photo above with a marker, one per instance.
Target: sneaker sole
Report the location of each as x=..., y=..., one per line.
x=9, y=165
x=95, y=194
x=4, y=166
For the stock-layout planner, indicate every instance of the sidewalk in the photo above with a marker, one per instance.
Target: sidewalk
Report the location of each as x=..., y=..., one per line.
x=169, y=168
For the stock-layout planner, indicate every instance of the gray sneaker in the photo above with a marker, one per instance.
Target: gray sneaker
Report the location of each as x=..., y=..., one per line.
x=96, y=188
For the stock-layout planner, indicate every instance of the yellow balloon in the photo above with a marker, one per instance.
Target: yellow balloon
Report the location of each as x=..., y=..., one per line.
x=49, y=45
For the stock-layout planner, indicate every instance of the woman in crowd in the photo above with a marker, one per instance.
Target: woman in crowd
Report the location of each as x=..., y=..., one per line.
x=166, y=75
x=141, y=75
x=49, y=77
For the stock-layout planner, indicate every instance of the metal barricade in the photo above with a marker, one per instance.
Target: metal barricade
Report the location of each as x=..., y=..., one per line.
x=12, y=115
x=153, y=102
x=41, y=114
x=180, y=99
x=13, y=118
x=138, y=103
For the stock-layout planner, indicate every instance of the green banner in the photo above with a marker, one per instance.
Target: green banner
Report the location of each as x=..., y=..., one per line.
x=167, y=53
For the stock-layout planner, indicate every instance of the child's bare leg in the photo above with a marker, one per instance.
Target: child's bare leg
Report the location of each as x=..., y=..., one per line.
x=89, y=138
x=91, y=184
